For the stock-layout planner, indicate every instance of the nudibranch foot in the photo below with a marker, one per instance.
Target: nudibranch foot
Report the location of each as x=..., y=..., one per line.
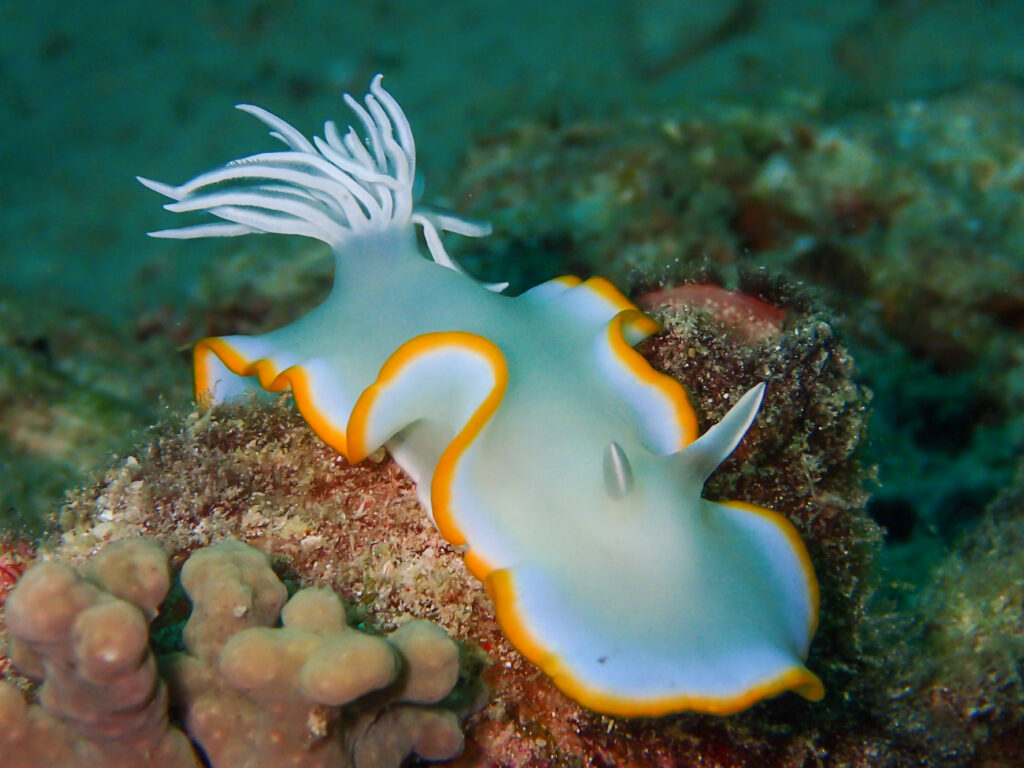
x=565, y=467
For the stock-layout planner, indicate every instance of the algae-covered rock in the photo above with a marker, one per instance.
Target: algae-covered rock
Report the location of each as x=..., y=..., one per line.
x=254, y=470
x=959, y=672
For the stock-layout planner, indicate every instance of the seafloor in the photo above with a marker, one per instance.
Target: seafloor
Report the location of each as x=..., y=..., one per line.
x=827, y=196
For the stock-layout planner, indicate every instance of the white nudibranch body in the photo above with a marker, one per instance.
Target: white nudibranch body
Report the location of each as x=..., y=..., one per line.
x=543, y=445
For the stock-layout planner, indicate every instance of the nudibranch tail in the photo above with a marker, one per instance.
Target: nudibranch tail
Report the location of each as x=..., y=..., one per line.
x=543, y=444
x=728, y=587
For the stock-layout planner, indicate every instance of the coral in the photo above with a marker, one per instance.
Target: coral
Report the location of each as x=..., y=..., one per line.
x=248, y=689
x=101, y=701
x=311, y=693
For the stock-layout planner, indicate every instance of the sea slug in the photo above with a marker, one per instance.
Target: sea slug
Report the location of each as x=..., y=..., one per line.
x=564, y=467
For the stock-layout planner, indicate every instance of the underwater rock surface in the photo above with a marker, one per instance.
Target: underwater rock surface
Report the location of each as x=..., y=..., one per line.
x=256, y=472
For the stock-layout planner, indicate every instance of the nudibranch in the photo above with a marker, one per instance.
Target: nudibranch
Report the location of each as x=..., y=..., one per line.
x=566, y=469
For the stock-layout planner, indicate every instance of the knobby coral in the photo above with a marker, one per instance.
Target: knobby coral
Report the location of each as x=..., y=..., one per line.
x=312, y=693
x=101, y=702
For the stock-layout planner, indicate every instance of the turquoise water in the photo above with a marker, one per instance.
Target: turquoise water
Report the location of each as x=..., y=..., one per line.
x=96, y=93
x=925, y=285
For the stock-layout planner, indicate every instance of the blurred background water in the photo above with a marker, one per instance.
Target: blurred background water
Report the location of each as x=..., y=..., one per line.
x=93, y=93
